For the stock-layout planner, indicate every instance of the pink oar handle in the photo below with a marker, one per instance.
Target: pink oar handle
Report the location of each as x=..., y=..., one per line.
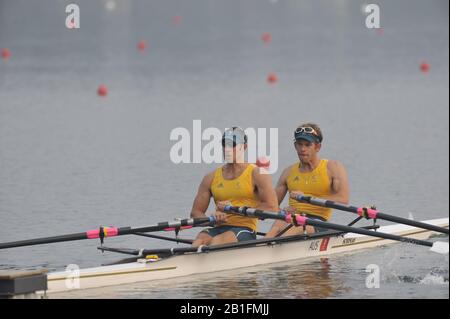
x=107, y=231
x=367, y=212
x=299, y=219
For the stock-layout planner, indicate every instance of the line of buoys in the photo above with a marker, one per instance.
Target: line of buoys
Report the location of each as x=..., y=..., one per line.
x=266, y=37
x=142, y=46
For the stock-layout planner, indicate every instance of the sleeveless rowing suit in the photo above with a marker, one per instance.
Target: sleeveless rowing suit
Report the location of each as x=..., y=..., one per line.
x=316, y=183
x=240, y=192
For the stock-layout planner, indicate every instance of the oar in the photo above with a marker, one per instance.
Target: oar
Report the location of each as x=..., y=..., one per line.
x=298, y=220
x=103, y=232
x=139, y=253
x=368, y=213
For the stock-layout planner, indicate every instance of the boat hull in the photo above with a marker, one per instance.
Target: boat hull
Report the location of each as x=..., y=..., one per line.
x=217, y=261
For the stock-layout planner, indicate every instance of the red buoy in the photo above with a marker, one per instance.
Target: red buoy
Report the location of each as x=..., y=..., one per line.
x=272, y=78
x=6, y=53
x=102, y=90
x=142, y=45
x=266, y=37
x=424, y=67
x=176, y=20
x=264, y=164
x=263, y=161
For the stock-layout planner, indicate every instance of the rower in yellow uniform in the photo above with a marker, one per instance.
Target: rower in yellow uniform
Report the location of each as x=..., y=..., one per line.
x=311, y=176
x=236, y=183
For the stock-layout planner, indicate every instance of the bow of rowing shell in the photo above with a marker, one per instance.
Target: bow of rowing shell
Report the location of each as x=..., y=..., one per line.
x=233, y=258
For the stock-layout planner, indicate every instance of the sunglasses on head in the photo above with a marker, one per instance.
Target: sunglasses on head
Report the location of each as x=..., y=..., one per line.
x=306, y=129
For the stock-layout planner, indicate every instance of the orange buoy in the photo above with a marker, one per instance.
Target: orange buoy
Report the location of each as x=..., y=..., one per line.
x=424, y=67
x=102, y=90
x=272, y=78
x=6, y=53
x=142, y=45
x=266, y=37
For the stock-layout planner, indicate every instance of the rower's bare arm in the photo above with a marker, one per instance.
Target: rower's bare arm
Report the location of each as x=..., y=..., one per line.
x=340, y=189
x=281, y=189
x=276, y=228
x=266, y=193
x=201, y=201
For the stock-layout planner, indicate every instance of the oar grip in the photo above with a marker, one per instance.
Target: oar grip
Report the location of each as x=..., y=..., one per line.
x=367, y=212
x=241, y=210
x=212, y=219
x=107, y=232
x=296, y=219
x=312, y=200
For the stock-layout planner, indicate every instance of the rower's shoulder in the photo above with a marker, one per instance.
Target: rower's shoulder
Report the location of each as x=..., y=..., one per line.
x=255, y=169
x=208, y=178
x=287, y=171
x=334, y=165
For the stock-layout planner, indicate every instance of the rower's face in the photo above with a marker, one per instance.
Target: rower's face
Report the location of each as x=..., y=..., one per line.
x=234, y=154
x=306, y=150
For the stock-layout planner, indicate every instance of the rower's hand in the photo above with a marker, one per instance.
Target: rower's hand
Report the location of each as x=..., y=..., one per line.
x=221, y=205
x=220, y=217
x=294, y=194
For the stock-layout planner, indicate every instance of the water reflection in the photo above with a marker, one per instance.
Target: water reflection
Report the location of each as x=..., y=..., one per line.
x=298, y=280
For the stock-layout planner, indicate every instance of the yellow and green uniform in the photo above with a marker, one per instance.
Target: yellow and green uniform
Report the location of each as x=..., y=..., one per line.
x=316, y=184
x=240, y=192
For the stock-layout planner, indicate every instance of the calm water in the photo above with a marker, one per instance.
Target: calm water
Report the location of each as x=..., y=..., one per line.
x=70, y=160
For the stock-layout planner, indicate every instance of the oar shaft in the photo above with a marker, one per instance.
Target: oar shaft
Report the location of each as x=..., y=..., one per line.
x=164, y=225
x=146, y=252
x=362, y=231
x=44, y=240
x=304, y=221
x=369, y=213
x=410, y=222
x=104, y=232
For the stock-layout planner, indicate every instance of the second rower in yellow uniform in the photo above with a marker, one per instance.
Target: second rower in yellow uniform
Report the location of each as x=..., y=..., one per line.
x=236, y=183
x=311, y=176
